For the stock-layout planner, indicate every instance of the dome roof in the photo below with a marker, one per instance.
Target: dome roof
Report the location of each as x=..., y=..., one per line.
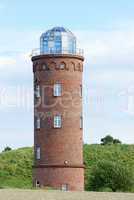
x=58, y=29
x=58, y=40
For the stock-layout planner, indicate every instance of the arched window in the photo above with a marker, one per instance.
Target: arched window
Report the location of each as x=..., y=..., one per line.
x=78, y=66
x=81, y=67
x=37, y=184
x=52, y=65
x=45, y=66
x=72, y=67
x=62, y=65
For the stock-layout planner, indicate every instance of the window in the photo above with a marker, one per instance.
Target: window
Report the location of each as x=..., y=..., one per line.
x=81, y=122
x=38, y=153
x=37, y=184
x=45, y=67
x=50, y=44
x=65, y=41
x=80, y=90
x=64, y=187
x=37, y=91
x=57, y=89
x=57, y=121
x=72, y=67
x=62, y=66
x=38, y=123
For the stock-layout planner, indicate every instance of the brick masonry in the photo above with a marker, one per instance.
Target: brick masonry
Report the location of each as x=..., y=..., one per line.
x=61, y=159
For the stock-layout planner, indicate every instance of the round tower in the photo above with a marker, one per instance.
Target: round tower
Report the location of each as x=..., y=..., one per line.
x=58, y=121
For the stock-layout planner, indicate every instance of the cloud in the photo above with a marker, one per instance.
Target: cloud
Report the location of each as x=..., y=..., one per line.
x=16, y=97
x=108, y=47
x=4, y=61
x=109, y=65
x=114, y=77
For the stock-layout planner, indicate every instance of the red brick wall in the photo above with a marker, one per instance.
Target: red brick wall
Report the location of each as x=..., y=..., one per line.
x=55, y=177
x=59, y=145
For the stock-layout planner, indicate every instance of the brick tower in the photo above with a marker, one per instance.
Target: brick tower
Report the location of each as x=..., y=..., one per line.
x=58, y=135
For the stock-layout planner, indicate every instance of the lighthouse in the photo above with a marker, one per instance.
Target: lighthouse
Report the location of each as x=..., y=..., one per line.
x=58, y=118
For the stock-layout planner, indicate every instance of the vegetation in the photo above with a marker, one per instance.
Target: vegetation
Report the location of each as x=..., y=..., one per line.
x=16, y=168
x=7, y=149
x=111, y=176
x=108, y=140
x=108, y=168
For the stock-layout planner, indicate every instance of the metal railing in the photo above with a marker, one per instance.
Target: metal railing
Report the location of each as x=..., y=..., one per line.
x=38, y=52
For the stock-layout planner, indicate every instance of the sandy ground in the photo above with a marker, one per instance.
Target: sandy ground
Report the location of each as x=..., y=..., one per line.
x=57, y=195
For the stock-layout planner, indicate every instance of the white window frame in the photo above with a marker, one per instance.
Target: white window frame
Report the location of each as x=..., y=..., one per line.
x=81, y=122
x=38, y=154
x=38, y=122
x=37, y=91
x=57, y=90
x=57, y=121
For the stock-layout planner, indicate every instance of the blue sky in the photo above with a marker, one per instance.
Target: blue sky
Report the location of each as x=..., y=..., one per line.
x=104, y=29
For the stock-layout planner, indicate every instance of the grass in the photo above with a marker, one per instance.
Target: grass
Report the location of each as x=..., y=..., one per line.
x=16, y=168
x=16, y=165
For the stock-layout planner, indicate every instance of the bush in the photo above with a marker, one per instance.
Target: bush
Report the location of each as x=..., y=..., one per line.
x=109, y=140
x=7, y=149
x=112, y=175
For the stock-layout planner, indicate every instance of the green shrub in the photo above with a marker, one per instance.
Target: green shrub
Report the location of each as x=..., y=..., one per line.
x=113, y=175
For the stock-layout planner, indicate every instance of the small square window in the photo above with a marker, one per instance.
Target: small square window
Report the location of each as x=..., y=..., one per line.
x=57, y=121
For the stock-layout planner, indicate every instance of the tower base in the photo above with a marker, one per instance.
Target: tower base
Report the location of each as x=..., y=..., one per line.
x=62, y=178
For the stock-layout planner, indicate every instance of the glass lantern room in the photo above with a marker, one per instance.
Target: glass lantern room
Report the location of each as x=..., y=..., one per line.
x=58, y=40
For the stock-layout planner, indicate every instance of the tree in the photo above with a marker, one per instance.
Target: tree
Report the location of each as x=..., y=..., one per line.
x=111, y=175
x=109, y=140
x=116, y=141
x=7, y=149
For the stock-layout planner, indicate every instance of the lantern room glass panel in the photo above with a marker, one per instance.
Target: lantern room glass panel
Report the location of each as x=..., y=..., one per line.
x=58, y=41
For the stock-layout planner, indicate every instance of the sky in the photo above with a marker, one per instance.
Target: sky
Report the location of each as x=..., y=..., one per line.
x=104, y=29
